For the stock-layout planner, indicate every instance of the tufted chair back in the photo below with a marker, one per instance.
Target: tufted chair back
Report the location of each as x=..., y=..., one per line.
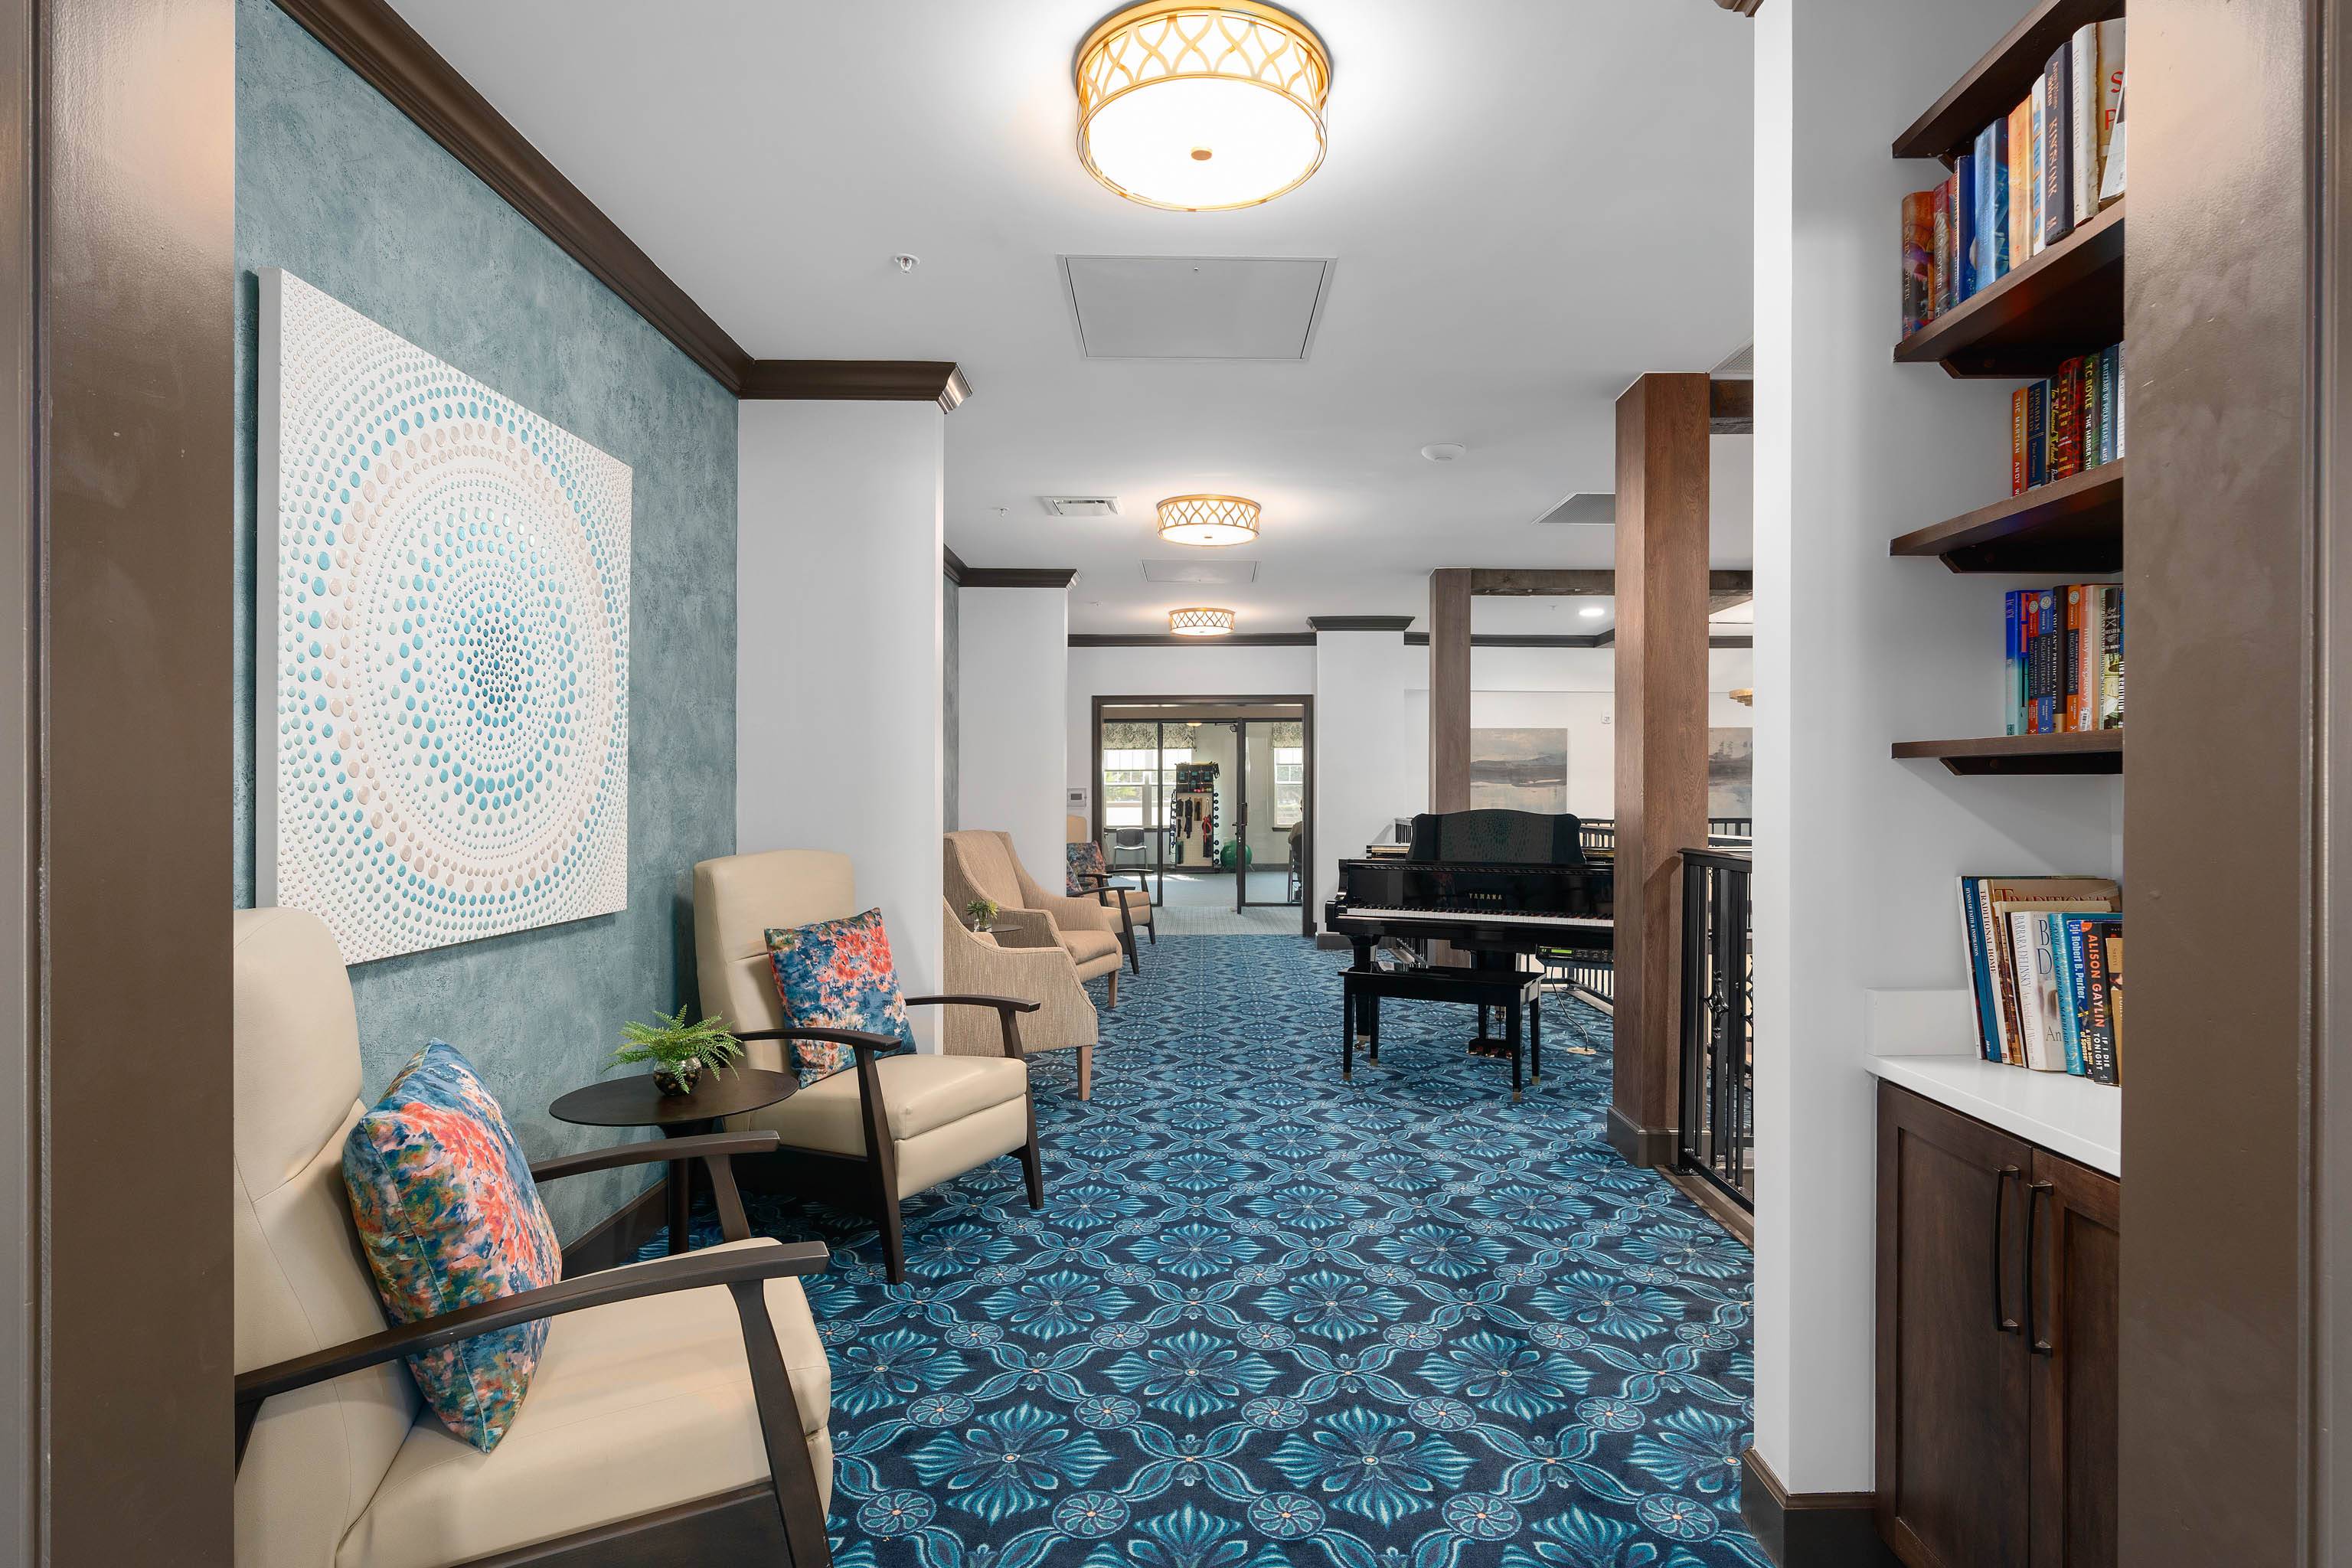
x=316, y=1456
x=737, y=899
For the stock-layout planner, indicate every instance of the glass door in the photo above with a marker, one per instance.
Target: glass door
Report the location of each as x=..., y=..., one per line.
x=1270, y=868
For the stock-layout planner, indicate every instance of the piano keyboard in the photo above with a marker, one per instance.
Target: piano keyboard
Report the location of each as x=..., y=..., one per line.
x=1471, y=917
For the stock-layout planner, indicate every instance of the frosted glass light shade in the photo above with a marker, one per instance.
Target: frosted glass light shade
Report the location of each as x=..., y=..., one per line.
x=1200, y=108
x=1201, y=622
x=1208, y=520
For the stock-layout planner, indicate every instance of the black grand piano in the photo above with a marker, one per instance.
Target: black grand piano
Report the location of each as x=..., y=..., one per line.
x=1497, y=885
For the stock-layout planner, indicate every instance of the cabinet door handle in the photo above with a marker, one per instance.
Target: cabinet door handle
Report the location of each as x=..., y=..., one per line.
x=2032, y=1258
x=2001, y=1320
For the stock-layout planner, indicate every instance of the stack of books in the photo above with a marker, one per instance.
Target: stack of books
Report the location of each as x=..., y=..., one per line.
x=2063, y=668
x=2046, y=968
x=2029, y=178
x=2072, y=422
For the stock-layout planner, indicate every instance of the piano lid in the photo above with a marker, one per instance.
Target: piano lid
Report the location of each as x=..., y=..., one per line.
x=1497, y=837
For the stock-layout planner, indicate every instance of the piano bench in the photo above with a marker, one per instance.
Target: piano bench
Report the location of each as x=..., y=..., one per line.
x=1509, y=990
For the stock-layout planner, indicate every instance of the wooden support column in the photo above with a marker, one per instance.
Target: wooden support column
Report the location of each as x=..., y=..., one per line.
x=1661, y=724
x=1449, y=690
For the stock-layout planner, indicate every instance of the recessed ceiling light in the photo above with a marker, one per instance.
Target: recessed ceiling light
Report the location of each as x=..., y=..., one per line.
x=1201, y=105
x=1442, y=451
x=1209, y=519
x=1592, y=612
x=1200, y=621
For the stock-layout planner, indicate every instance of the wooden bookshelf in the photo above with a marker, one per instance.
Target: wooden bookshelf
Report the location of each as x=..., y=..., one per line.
x=2072, y=527
x=2083, y=751
x=2067, y=300
x=1997, y=83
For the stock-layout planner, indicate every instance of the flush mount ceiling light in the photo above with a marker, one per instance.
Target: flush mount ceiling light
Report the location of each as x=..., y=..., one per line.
x=1208, y=520
x=1201, y=622
x=1201, y=106
x=1593, y=611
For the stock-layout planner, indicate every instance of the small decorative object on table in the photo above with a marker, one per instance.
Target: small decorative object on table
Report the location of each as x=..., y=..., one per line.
x=980, y=914
x=678, y=1050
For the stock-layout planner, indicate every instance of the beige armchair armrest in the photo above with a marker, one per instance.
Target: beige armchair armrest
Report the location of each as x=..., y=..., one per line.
x=1044, y=975
x=1024, y=927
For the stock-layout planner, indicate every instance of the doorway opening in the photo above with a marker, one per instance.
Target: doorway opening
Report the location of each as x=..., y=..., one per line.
x=1209, y=800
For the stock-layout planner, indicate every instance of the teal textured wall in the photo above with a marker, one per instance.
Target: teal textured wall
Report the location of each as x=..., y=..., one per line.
x=335, y=185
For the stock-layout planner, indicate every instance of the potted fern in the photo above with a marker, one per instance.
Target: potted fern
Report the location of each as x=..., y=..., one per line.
x=980, y=914
x=678, y=1050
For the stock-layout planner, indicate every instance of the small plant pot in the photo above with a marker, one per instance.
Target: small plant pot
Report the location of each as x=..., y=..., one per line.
x=679, y=1081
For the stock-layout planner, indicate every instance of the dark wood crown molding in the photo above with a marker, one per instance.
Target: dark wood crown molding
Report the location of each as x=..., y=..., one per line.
x=1560, y=639
x=1168, y=639
x=952, y=567
x=393, y=57
x=1731, y=407
x=1016, y=576
x=856, y=380
x=1360, y=623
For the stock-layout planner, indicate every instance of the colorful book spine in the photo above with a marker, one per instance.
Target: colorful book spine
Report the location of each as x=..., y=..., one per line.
x=1943, y=273
x=2011, y=667
x=2110, y=713
x=2083, y=108
x=2057, y=146
x=1967, y=279
x=2072, y=706
x=2110, y=401
x=2017, y=442
x=2048, y=638
x=1972, y=939
x=1990, y=166
x=2123, y=396
x=2107, y=1068
x=2065, y=421
x=1919, y=261
x=2111, y=95
x=2094, y=449
x=2037, y=434
x=2039, y=103
x=2069, y=985
x=2019, y=160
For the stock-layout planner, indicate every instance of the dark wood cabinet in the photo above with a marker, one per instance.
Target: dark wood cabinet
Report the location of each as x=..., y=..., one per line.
x=1996, y=1346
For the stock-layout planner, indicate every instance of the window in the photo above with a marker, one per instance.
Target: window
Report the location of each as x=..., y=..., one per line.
x=1290, y=786
x=1128, y=797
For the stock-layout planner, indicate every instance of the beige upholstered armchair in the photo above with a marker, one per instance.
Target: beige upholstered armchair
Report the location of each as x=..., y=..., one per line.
x=1135, y=900
x=897, y=1124
x=668, y=1420
x=1065, y=1019
x=982, y=865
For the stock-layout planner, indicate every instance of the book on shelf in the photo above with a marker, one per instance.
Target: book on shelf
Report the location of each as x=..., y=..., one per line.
x=2072, y=421
x=2043, y=998
x=2063, y=658
x=2024, y=181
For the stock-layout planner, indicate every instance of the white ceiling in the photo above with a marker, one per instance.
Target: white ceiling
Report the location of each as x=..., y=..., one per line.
x=1531, y=202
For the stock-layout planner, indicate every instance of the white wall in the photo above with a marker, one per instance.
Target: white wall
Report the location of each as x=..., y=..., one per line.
x=838, y=665
x=1856, y=855
x=1012, y=729
x=1372, y=745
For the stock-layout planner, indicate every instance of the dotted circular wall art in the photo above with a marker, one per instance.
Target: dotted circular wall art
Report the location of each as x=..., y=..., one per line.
x=444, y=727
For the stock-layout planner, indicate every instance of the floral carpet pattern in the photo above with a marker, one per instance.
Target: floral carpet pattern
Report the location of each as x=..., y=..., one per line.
x=1268, y=1318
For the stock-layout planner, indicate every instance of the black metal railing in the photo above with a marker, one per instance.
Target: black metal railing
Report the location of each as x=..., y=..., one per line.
x=1717, y=1138
x=1739, y=829
x=1597, y=834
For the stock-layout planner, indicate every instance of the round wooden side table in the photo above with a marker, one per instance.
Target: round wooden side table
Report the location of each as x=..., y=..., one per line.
x=633, y=1102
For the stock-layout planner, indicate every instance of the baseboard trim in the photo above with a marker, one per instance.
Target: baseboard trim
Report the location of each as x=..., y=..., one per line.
x=1808, y=1529
x=1643, y=1146
x=615, y=1240
x=1737, y=1221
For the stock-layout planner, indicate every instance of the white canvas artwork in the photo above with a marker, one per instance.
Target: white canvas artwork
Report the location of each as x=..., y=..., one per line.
x=443, y=668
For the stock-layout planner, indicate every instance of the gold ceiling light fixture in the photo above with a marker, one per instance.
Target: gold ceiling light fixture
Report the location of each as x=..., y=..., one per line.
x=1201, y=107
x=1201, y=621
x=1208, y=520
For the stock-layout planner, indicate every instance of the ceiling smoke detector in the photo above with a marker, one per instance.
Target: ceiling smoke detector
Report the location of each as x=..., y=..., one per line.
x=1444, y=451
x=1081, y=506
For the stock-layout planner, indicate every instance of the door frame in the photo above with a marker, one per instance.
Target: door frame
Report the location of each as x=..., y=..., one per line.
x=1304, y=702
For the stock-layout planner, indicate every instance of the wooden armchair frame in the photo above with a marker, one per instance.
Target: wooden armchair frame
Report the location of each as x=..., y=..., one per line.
x=783, y=1513
x=867, y=1184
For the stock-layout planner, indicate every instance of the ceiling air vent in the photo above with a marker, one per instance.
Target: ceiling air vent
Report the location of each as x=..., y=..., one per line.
x=1081, y=506
x=1584, y=507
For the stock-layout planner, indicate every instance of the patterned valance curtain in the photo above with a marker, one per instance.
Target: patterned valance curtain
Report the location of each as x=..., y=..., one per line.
x=1131, y=737
x=1290, y=733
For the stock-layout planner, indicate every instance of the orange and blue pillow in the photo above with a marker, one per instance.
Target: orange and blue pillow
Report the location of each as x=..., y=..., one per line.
x=837, y=974
x=1084, y=858
x=447, y=1216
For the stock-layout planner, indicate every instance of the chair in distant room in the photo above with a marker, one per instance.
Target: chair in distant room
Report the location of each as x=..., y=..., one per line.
x=1088, y=876
x=667, y=1420
x=894, y=1123
x=974, y=965
x=982, y=865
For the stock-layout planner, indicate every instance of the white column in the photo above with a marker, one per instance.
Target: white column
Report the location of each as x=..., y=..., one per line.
x=1371, y=745
x=1856, y=855
x=1013, y=727
x=837, y=698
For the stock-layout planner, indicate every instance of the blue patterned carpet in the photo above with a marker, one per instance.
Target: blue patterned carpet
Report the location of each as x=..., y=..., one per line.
x=1268, y=1318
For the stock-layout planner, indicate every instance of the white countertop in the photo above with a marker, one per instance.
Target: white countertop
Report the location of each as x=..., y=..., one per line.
x=1915, y=1045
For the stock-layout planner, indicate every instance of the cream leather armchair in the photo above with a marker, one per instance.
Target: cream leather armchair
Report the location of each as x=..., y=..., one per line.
x=1135, y=900
x=897, y=1124
x=1065, y=1019
x=668, y=1420
x=982, y=865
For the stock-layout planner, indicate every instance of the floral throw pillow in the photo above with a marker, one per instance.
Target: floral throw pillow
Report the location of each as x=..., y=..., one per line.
x=1085, y=859
x=837, y=974
x=448, y=1215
